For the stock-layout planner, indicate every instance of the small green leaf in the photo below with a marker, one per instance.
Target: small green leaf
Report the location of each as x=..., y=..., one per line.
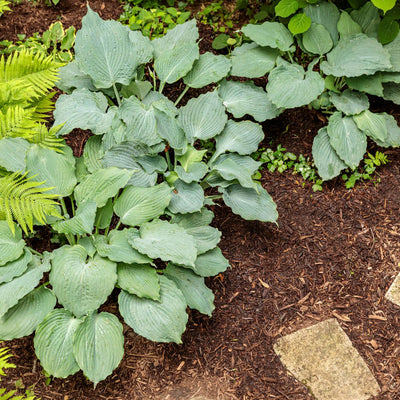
x=388, y=30
x=299, y=23
x=285, y=8
x=384, y=5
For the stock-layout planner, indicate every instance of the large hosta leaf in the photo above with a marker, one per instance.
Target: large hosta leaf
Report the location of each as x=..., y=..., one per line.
x=372, y=124
x=371, y=84
x=209, y=68
x=271, y=34
x=197, y=295
x=138, y=204
x=206, y=237
x=140, y=280
x=194, y=172
x=211, y=263
x=250, y=204
x=53, y=343
x=391, y=91
x=241, y=98
x=317, y=39
x=11, y=245
x=158, y=239
x=81, y=285
x=356, y=55
x=326, y=160
x=101, y=185
x=368, y=18
x=56, y=170
x=93, y=153
x=203, y=217
x=347, y=26
x=394, y=50
x=186, y=197
x=70, y=77
x=12, y=153
x=22, y=319
x=290, y=86
x=104, y=51
x=16, y=267
x=161, y=321
x=393, y=132
x=348, y=141
x=253, y=61
x=169, y=129
x=350, y=102
x=99, y=345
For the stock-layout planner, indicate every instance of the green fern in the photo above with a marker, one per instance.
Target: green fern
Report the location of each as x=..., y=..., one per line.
x=48, y=137
x=4, y=6
x=17, y=121
x=23, y=200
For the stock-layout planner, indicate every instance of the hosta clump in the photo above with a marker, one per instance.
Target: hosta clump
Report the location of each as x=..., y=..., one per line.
x=145, y=166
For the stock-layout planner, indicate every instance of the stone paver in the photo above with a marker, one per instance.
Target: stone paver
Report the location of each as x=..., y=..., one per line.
x=323, y=358
x=393, y=294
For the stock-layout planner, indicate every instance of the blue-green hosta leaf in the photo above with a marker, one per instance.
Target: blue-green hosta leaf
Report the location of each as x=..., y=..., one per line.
x=203, y=217
x=197, y=295
x=372, y=124
x=206, y=237
x=152, y=163
x=87, y=242
x=391, y=91
x=350, y=102
x=355, y=56
x=253, y=61
x=209, y=68
x=101, y=185
x=82, y=109
x=81, y=223
x=139, y=279
x=317, y=39
x=191, y=156
x=186, y=197
x=327, y=14
x=137, y=205
x=12, y=153
x=70, y=77
x=16, y=267
x=241, y=98
x=347, y=26
x=104, y=215
x=240, y=137
x=194, y=173
x=393, y=133
x=140, y=89
x=211, y=263
x=169, y=129
x=203, y=117
x=98, y=345
x=117, y=248
x=161, y=321
x=371, y=84
x=368, y=18
x=81, y=285
x=93, y=153
x=53, y=343
x=158, y=239
x=22, y=319
x=143, y=50
x=271, y=34
x=390, y=77
x=11, y=245
x=160, y=101
x=326, y=160
x=250, y=204
x=56, y=170
x=394, y=50
x=104, y=51
x=80, y=169
x=11, y=292
x=289, y=86
x=348, y=141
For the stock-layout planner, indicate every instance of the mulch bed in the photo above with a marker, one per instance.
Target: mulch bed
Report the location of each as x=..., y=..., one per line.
x=333, y=254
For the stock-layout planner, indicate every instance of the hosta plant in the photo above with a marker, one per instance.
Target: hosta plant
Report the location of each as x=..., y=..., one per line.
x=133, y=208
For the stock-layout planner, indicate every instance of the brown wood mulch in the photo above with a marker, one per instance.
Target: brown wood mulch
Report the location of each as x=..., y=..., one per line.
x=333, y=254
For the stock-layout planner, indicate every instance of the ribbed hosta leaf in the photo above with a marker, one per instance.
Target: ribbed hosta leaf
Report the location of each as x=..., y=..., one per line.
x=193, y=173
x=158, y=240
x=81, y=285
x=139, y=279
x=169, y=129
x=137, y=205
x=391, y=91
x=271, y=34
x=203, y=217
x=290, y=86
x=241, y=98
x=83, y=109
x=371, y=84
x=326, y=160
x=393, y=132
x=101, y=185
x=99, y=345
x=161, y=321
x=356, y=55
x=11, y=245
x=104, y=51
x=206, y=237
x=186, y=197
x=16, y=267
x=22, y=319
x=347, y=26
x=211, y=263
x=117, y=248
x=394, y=50
x=368, y=18
x=350, y=102
x=372, y=124
x=348, y=141
x=11, y=292
x=250, y=204
x=70, y=77
x=253, y=61
x=54, y=169
x=12, y=153
x=197, y=295
x=203, y=117
x=317, y=39
x=143, y=50
x=93, y=153
x=53, y=343
x=209, y=68
x=104, y=215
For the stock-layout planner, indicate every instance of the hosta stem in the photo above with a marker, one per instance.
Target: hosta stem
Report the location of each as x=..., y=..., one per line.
x=34, y=251
x=181, y=95
x=162, y=85
x=215, y=197
x=117, y=95
x=69, y=237
x=169, y=161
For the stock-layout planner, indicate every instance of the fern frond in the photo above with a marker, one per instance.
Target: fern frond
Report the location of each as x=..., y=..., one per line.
x=39, y=70
x=4, y=6
x=47, y=138
x=17, y=122
x=4, y=364
x=22, y=199
x=42, y=107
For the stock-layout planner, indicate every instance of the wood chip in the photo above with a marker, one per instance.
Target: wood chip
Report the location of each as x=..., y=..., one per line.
x=344, y=318
x=377, y=317
x=265, y=284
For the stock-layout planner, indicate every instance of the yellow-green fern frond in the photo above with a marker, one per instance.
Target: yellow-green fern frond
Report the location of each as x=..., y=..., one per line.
x=4, y=357
x=17, y=121
x=47, y=138
x=4, y=6
x=23, y=200
x=42, y=107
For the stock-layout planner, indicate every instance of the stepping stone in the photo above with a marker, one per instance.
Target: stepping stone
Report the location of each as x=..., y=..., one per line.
x=323, y=358
x=393, y=294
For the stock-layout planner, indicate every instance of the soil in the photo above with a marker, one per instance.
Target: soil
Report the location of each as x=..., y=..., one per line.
x=333, y=254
